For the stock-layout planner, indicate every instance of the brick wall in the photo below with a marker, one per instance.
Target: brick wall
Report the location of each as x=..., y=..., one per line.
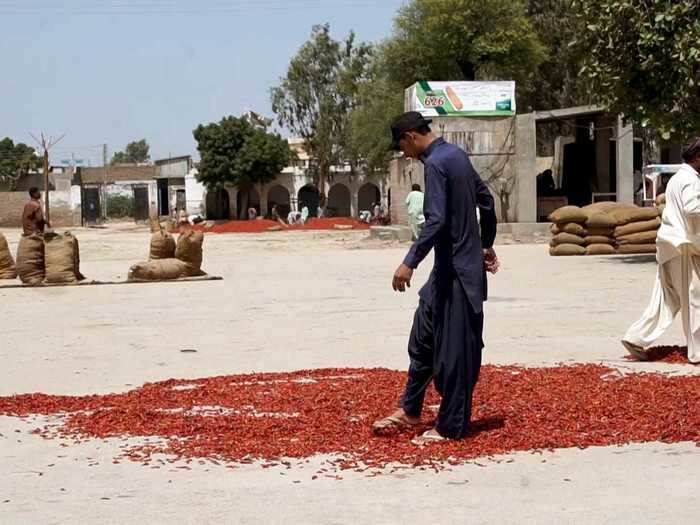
x=12, y=203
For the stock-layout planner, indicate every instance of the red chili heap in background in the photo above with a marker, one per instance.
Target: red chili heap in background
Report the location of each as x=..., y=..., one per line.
x=300, y=414
x=265, y=225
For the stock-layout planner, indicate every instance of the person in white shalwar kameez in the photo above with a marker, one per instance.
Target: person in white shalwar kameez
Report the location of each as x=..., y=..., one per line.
x=677, y=287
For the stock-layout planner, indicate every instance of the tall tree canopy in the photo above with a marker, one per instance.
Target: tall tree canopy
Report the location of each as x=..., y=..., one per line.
x=16, y=160
x=318, y=93
x=134, y=153
x=443, y=40
x=234, y=151
x=642, y=58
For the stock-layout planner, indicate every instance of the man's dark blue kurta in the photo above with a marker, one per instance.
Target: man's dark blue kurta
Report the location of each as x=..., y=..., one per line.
x=445, y=343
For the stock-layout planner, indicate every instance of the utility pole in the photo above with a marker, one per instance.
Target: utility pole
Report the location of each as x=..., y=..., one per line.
x=104, y=181
x=46, y=143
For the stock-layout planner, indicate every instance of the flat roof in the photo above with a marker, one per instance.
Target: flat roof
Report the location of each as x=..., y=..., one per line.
x=567, y=113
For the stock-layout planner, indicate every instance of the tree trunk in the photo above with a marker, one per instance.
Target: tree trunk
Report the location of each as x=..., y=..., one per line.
x=504, y=197
x=651, y=153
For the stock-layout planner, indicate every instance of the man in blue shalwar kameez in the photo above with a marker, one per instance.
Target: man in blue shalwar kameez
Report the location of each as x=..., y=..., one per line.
x=446, y=339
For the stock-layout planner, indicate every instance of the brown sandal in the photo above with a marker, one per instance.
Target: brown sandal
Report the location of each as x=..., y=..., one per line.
x=392, y=422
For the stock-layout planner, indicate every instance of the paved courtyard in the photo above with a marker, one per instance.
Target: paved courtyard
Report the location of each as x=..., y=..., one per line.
x=303, y=300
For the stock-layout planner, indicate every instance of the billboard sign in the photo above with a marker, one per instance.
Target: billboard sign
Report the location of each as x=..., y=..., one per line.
x=462, y=98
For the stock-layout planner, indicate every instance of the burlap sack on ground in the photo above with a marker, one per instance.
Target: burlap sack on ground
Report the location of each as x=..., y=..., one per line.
x=30, y=259
x=568, y=214
x=567, y=238
x=600, y=249
x=568, y=227
x=601, y=220
x=606, y=206
x=189, y=250
x=567, y=249
x=604, y=232
x=7, y=263
x=159, y=270
x=628, y=215
x=162, y=246
x=628, y=249
x=660, y=199
x=598, y=239
x=648, y=237
x=62, y=255
x=636, y=227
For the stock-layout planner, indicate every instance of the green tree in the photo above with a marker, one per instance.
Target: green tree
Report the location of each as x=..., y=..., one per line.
x=315, y=98
x=642, y=58
x=443, y=40
x=134, y=153
x=16, y=160
x=233, y=151
x=556, y=83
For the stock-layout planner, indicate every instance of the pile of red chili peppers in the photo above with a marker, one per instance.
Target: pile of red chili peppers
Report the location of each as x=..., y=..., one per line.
x=666, y=354
x=277, y=416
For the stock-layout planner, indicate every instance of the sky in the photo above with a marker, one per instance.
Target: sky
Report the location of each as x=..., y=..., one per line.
x=113, y=71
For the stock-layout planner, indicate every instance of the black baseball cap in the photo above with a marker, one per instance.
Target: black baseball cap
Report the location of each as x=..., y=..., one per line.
x=409, y=121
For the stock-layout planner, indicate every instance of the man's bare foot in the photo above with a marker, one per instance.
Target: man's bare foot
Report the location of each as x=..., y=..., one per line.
x=399, y=420
x=428, y=437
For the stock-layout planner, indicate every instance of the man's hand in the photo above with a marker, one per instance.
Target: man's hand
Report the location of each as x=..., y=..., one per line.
x=491, y=261
x=402, y=278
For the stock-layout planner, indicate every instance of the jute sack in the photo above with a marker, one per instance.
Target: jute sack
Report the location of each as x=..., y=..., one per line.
x=568, y=227
x=598, y=239
x=159, y=270
x=660, y=199
x=568, y=214
x=567, y=238
x=601, y=220
x=189, y=250
x=600, y=249
x=162, y=246
x=636, y=227
x=7, y=263
x=30, y=259
x=628, y=215
x=606, y=206
x=567, y=249
x=636, y=248
x=648, y=237
x=604, y=232
x=62, y=255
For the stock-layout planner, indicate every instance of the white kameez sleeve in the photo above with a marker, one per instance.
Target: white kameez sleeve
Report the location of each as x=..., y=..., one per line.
x=691, y=199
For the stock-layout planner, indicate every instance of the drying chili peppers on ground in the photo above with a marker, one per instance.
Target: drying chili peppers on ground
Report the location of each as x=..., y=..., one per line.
x=273, y=416
x=265, y=225
x=666, y=354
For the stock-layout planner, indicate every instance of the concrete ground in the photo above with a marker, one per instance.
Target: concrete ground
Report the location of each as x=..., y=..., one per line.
x=309, y=300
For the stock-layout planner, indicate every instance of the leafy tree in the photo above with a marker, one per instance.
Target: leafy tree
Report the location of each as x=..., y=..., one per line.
x=642, y=58
x=16, y=160
x=442, y=40
x=234, y=151
x=135, y=152
x=556, y=83
x=318, y=93
x=463, y=40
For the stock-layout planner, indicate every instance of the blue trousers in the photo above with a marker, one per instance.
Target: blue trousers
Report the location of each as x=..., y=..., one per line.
x=445, y=347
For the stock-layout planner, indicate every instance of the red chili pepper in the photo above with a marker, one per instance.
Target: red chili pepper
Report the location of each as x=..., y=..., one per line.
x=277, y=417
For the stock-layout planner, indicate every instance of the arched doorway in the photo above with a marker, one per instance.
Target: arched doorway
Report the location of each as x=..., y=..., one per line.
x=368, y=196
x=246, y=199
x=218, y=206
x=339, y=201
x=278, y=196
x=309, y=197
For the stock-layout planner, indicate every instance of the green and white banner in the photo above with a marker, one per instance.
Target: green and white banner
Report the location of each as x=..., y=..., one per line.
x=478, y=99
